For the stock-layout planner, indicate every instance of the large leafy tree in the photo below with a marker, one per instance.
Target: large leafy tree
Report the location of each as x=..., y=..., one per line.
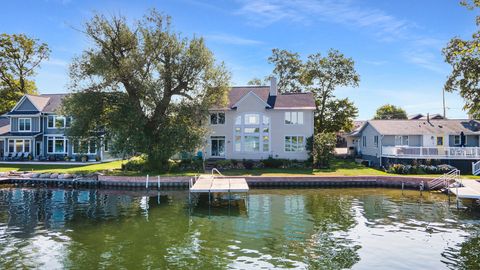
x=20, y=56
x=288, y=69
x=321, y=76
x=147, y=86
x=388, y=112
x=464, y=57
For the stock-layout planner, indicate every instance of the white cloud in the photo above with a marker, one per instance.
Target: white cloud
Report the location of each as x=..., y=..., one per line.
x=232, y=39
x=265, y=12
x=56, y=62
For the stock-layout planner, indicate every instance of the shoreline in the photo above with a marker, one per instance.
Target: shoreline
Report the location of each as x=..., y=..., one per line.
x=408, y=182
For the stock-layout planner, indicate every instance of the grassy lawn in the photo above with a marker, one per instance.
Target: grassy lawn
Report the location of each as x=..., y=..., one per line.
x=339, y=168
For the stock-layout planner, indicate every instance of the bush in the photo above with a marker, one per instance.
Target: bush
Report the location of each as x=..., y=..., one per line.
x=248, y=164
x=323, y=149
x=136, y=163
x=419, y=169
x=270, y=162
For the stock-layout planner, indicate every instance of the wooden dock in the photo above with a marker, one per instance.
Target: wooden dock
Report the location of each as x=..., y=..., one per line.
x=211, y=184
x=470, y=189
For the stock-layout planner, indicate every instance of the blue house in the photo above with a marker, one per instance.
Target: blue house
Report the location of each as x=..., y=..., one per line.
x=33, y=130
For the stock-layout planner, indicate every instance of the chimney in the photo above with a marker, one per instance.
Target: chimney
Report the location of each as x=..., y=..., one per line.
x=273, y=86
x=428, y=117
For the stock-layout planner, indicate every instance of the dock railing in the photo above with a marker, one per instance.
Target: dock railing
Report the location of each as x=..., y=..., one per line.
x=445, y=180
x=476, y=168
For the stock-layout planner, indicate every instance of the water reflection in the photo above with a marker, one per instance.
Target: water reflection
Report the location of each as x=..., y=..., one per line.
x=314, y=229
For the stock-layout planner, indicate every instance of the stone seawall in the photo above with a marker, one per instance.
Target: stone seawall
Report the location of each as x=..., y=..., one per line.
x=408, y=182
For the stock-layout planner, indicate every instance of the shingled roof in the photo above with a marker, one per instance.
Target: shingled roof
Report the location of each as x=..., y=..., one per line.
x=4, y=125
x=46, y=103
x=424, y=127
x=280, y=101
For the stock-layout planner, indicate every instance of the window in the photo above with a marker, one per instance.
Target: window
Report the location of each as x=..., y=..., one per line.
x=253, y=134
x=294, y=118
x=294, y=143
x=217, y=118
x=364, y=141
x=401, y=140
x=440, y=141
x=85, y=147
x=57, y=145
x=55, y=121
x=24, y=124
x=238, y=143
x=106, y=145
x=456, y=140
x=252, y=119
x=375, y=141
x=19, y=146
x=252, y=144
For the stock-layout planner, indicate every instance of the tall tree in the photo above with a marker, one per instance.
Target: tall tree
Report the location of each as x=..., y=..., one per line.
x=464, y=57
x=255, y=81
x=20, y=56
x=146, y=85
x=288, y=69
x=388, y=112
x=322, y=75
x=339, y=115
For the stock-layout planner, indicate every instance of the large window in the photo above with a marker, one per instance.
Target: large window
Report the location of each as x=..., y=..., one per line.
x=84, y=147
x=24, y=124
x=217, y=118
x=19, y=146
x=252, y=133
x=294, y=118
x=294, y=143
x=56, y=121
x=57, y=145
x=401, y=140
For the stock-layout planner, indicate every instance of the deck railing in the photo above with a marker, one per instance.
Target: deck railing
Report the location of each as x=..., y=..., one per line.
x=431, y=152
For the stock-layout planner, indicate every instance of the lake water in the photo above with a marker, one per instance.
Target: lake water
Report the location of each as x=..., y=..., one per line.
x=282, y=228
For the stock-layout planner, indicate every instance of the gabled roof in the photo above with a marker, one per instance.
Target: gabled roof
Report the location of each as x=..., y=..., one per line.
x=4, y=125
x=424, y=127
x=46, y=103
x=281, y=101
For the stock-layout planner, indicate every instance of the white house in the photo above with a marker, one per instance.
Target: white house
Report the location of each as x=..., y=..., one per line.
x=258, y=123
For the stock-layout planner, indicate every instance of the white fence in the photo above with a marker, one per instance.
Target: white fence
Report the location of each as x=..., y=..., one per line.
x=431, y=152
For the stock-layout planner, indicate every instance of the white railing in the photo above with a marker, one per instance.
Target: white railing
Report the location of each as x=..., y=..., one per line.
x=214, y=170
x=445, y=180
x=431, y=152
x=476, y=168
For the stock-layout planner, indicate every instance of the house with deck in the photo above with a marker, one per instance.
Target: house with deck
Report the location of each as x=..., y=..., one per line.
x=33, y=130
x=258, y=123
x=453, y=141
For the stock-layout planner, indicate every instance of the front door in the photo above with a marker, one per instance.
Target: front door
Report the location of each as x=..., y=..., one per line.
x=38, y=148
x=217, y=146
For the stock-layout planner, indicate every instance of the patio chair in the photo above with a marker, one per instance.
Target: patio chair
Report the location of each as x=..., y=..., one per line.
x=25, y=155
x=18, y=156
x=8, y=157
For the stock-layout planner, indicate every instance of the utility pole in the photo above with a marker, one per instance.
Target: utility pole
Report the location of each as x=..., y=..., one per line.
x=444, y=108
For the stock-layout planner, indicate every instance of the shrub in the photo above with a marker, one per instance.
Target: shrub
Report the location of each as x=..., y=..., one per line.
x=323, y=149
x=419, y=169
x=136, y=163
x=248, y=164
x=270, y=162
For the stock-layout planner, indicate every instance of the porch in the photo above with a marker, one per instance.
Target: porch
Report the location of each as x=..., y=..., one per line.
x=431, y=152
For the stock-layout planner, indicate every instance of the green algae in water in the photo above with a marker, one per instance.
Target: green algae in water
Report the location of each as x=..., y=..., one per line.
x=281, y=228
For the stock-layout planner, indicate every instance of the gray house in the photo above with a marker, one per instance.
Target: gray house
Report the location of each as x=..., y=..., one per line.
x=258, y=123
x=453, y=141
x=35, y=131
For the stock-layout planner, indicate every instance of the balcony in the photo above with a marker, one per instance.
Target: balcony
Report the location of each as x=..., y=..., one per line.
x=431, y=152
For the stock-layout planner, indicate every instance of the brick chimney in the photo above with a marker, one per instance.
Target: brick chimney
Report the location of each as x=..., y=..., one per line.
x=273, y=87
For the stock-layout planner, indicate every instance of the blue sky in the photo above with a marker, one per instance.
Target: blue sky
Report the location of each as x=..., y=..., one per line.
x=396, y=45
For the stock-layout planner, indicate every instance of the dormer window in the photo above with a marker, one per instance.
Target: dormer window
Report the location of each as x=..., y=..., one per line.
x=217, y=118
x=24, y=124
x=55, y=121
